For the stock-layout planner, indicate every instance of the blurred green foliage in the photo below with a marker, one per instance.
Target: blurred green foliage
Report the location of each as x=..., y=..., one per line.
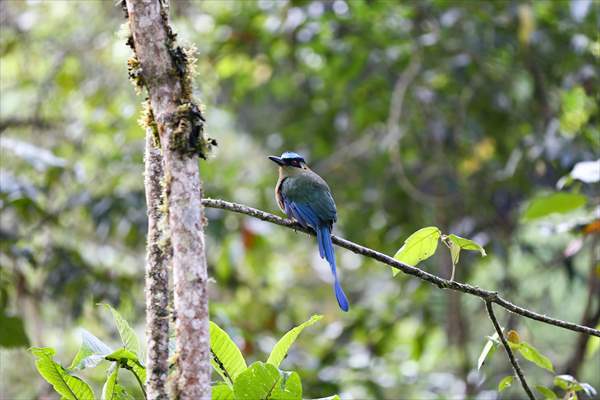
x=446, y=113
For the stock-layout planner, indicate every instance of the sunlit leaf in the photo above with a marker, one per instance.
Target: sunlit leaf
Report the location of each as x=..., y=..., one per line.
x=264, y=381
x=458, y=243
x=547, y=393
x=282, y=347
x=91, y=352
x=530, y=353
x=418, y=247
x=129, y=360
x=576, y=109
x=558, y=203
x=128, y=336
x=490, y=347
x=505, y=383
x=227, y=359
x=108, y=390
x=68, y=386
x=288, y=387
x=222, y=391
x=565, y=381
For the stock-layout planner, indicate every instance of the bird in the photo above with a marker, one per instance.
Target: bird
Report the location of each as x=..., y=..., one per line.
x=305, y=197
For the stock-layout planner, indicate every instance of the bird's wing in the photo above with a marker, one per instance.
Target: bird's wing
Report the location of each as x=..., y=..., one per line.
x=313, y=194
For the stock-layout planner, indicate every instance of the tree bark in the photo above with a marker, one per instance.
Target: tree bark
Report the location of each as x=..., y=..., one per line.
x=157, y=277
x=163, y=68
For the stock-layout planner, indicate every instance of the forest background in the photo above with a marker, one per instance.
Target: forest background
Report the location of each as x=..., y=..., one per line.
x=464, y=115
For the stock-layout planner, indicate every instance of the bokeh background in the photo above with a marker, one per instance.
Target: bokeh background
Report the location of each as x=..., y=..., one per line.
x=448, y=113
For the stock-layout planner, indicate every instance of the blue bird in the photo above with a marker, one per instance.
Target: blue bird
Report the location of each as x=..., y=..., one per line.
x=304, y=196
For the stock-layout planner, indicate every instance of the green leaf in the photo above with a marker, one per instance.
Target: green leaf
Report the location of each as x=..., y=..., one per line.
x=222, y=391
x=264, y=381
x=530, y=353
x=576, y=108
x=488, y=351
x=282, y=347
x=288, y=387
x=458, y=243
x=559, y=203
x=91, y=352
x=505, y=383
x=13, y=332
x=565, y=382
x=128, y=336
x=130, y=361
x=547, y=393
x=68, y=386
x=227, y=359
x=418, y=247
x=108, y=390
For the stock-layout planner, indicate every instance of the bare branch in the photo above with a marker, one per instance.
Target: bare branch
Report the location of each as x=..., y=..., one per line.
x=487, y=295
x=511, y=356
x=33, y=122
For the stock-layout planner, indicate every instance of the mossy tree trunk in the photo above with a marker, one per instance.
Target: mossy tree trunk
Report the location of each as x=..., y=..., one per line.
x=164, y=69
x=158, y=254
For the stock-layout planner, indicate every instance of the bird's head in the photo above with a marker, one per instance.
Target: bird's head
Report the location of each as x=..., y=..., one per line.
x=289, y=161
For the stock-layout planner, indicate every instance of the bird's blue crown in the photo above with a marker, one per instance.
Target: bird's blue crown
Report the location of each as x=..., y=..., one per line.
x=290, y=155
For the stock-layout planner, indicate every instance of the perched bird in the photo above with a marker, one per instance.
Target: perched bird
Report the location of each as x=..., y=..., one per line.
x=304, y=196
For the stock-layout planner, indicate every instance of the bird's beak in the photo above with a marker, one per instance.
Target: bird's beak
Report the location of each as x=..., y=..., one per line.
x=277, y=160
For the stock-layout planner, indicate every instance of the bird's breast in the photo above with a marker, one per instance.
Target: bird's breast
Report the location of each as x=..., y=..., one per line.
x=278, y=195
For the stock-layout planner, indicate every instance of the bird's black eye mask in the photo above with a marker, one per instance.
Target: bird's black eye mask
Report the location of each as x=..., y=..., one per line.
x=295, y=162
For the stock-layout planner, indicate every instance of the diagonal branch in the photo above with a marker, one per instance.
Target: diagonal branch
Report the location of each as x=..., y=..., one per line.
x=487, y=295
x=511, y=356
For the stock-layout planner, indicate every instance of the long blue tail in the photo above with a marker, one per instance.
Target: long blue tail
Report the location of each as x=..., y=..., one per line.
x=326, y=251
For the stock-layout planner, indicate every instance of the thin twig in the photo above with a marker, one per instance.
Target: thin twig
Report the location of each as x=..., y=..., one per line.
x=487, y=295
x=511, y=356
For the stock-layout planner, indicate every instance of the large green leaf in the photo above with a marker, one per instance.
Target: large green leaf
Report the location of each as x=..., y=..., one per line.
x=530, y=353
x=108, y=390
x=128, y=336
x=68, y=386
x=558, y=203
x=282, y=347
x=488, y=350
x=264, y=381
x=288, y=387
x=222, y=391
x=91, y=352
x=227, y=359
x=547, y=393
x=418, y=247
x=13, y=332
x=130, y=361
